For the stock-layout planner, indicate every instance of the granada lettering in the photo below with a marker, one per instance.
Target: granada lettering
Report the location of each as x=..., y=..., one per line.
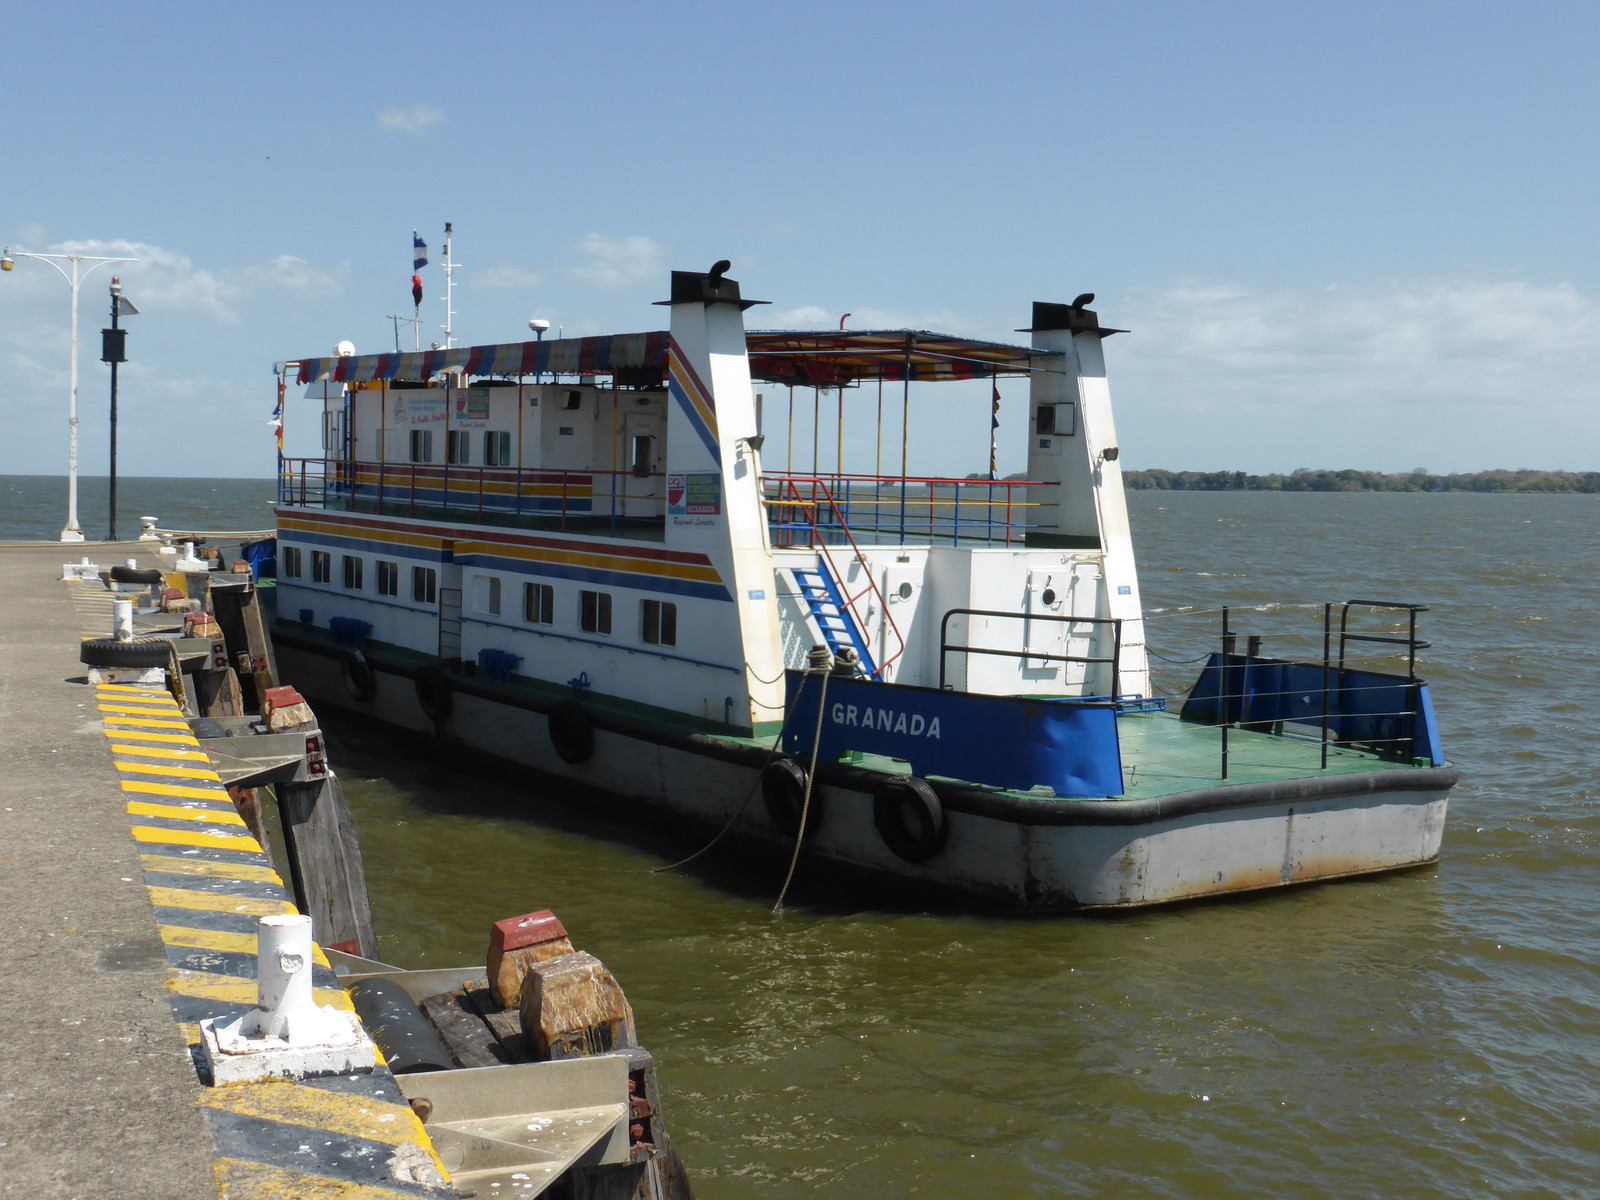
x=886, y=720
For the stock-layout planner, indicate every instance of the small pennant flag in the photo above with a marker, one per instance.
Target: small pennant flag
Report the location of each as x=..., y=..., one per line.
x=419, y=252
x=994, y=433
x=416, y=291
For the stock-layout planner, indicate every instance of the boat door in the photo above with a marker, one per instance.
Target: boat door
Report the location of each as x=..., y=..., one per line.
x=644, y=453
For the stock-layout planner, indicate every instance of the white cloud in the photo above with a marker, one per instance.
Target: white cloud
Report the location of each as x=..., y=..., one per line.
x=508, y=277
x=619, y=261
x=1459, y=369
x=417, y=119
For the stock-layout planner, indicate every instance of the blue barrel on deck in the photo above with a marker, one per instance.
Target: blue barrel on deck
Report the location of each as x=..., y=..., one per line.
x=1002, y=741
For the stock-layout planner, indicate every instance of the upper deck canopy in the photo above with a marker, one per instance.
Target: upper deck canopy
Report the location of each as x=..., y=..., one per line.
x=826, y=358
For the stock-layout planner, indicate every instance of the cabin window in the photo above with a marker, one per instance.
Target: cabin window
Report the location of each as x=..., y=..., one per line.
x=660, y=621
x=291, y=562
x=572, y=401
x=457, y=447
x=388, y=578
x=422, y=445
x=352, y=572
x=497, y=448
x=641, y=454
x=538, y=604
x=594, y=612
x=321, y=566
x=424, y=584
x=487, y=589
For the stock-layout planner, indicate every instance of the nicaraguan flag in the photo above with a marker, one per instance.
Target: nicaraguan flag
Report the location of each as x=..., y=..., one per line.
x=419, y=252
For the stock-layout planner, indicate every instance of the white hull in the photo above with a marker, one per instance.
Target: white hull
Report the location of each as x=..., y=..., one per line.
x=1011, y=853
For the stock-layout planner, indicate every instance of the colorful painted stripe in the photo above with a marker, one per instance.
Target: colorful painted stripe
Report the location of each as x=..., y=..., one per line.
x=693, y=397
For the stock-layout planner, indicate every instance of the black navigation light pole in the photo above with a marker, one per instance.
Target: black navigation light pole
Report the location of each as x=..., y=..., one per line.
x=113, y=350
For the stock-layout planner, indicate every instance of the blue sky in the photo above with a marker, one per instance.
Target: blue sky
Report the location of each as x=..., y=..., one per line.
x=1355, y=234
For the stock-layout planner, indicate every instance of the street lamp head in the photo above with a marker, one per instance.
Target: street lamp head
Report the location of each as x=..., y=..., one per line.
x=6, y=262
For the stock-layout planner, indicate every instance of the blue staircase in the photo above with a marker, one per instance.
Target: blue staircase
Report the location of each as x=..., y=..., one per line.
x=833, y=617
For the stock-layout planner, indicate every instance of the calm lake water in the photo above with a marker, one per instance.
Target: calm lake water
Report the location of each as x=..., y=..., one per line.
x=1431, y=1034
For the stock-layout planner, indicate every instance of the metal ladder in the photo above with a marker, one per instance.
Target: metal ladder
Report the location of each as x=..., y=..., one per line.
x=834, y=619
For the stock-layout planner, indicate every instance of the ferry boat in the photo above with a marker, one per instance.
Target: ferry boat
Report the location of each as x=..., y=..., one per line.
x=569, y=553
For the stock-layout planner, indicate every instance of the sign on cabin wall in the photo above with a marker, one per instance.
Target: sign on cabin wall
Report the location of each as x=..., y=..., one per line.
x=472, y=405
x=694, y=498
x=418, y=407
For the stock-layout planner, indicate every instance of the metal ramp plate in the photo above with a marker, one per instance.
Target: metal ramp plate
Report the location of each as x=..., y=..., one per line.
x=515, y=1129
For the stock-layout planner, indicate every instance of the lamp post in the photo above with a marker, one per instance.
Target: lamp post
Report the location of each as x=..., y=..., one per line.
x=71, y=533
x=113, y=344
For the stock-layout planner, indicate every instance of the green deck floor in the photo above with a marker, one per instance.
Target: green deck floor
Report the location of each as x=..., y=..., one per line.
x=1162, y=755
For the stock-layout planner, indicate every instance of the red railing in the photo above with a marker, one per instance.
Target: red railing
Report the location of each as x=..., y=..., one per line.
x=818, y=502
x=441, y=489
x=896, y=509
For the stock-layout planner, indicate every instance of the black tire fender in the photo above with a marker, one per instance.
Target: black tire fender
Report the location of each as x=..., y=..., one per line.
x=783, y=788
x=357, y=672
x=121, y=574
x=108, y=652
x=571, y=732
x=909, y=818
x=434, y=695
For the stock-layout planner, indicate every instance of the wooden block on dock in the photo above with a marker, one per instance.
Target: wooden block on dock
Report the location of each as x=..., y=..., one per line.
x=516, y=945
x=573, y=1007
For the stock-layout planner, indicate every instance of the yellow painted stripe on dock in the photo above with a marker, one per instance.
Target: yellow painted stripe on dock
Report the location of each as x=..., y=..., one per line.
x=190, y=1032
x=146, y=723
x=140, y=710
x=223, y=943
x=204, y=868
x=235, y=989
x=186, y=837
x=213, y=816
x=170, y=739
x=241, y=1180
x=163, y=752
x=174, y=789
x=176, y=772
x=250, y=906
x=208, y=939
x=128, y=689
x=296, y=1104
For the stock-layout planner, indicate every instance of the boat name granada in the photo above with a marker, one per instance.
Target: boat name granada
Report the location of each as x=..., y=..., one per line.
x=886, y=719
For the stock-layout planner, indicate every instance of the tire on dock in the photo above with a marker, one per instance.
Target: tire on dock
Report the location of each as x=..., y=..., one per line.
x=147, y=576
x=108, y=652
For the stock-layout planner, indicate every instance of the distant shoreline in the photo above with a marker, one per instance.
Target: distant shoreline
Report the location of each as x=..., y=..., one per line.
x=1351, y=480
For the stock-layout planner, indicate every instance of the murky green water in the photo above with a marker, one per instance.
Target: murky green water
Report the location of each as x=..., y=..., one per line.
x=1428, y=1034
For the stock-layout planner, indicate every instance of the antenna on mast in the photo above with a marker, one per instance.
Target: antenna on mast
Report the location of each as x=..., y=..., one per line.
x=449, y=282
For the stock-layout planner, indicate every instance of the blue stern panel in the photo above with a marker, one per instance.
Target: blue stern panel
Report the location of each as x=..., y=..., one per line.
x=1009, y=742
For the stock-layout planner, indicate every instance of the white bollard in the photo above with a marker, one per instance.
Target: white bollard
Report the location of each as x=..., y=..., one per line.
x=122, y=620
x=283, y=979
x=148, y=531
x=288, y=1035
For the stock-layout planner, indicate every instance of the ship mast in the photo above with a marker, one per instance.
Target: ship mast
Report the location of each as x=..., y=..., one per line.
x=449, y=282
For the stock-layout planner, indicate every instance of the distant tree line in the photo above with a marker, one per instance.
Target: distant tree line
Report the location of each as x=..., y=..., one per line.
x=1351, y=480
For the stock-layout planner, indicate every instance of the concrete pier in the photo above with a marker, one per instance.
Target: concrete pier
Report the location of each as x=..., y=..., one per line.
x=129, y=891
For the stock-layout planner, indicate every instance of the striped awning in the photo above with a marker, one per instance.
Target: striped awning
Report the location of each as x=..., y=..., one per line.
x=824, y=358
x=828, y=358
x=559, y=356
